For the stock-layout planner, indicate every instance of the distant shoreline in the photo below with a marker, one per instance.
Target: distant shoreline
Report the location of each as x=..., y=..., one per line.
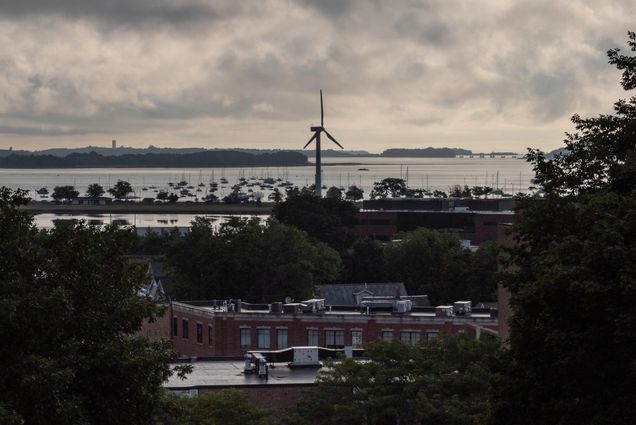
x=37, y=207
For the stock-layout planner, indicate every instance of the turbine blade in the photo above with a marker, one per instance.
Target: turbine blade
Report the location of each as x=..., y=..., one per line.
x=310, y=140
x=332, y=139
x=322, y=114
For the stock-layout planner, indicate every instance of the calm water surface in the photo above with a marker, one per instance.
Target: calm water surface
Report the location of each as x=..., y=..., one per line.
x=512, y=175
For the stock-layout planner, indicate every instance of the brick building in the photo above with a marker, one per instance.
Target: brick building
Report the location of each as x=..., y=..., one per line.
x=229, y=329
x=474, y=226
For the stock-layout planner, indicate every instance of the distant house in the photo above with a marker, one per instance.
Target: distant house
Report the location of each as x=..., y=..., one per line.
x=87, y=200
x=352, y=294
x=155, y=289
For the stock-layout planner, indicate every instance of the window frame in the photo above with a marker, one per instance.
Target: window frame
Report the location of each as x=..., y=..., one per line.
x=266, y=334
x=334, y=338
x=279, y=333
x=199, y=333
x=357, y=334
x=413, y=337
x=245, y=337
x=185, y=328
x=312, y=334
x=387, y=335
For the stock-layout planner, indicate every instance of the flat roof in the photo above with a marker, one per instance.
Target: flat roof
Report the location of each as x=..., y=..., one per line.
x=229, y=373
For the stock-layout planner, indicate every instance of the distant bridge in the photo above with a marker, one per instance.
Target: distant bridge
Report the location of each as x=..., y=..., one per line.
x=490, y=155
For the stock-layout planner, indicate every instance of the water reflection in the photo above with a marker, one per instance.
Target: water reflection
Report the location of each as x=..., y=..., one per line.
x=143, y=222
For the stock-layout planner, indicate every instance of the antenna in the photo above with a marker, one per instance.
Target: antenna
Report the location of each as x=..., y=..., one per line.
x=316, y=137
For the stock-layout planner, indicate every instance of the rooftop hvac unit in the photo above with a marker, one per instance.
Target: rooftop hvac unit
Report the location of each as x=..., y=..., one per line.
x=462, y=308
x=276, y=307
x=293, y=308
x=403, y=306
x=444, y=311
x=314, y=305
x=305, y=357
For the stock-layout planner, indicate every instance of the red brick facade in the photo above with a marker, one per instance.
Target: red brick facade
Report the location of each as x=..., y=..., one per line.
x=217, y=333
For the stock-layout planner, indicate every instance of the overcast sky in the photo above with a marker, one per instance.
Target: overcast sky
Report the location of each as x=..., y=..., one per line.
x=483, y=75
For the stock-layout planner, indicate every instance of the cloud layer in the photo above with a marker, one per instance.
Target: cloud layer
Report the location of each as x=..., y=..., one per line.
x=480, y=75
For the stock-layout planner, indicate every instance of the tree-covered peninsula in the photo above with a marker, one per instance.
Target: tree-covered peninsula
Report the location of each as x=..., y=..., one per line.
x=199, y=159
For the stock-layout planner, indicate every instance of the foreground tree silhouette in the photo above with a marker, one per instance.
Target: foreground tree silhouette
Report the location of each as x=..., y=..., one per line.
x=573, y=333
x=445, y=381
x=68, y=314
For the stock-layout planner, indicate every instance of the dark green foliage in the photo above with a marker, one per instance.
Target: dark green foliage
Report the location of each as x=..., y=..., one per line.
x=275, y=196
x=389, y=188
x=245, y=259
x=64, y=192
x=157, y=244
x=94, y=190
x=364, y=262
x=211, y=198
x=232, y=198
x=197, y=159
x=435, y=264
x=447, y=381
x=214, y=408
x=354, y=193
x=573, y=333
x=327, y=220
x=458, y=192
x=68, y=314
x=121, y=189
x=334, y=193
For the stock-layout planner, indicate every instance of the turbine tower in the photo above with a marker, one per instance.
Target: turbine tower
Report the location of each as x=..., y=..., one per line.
x=316, y=137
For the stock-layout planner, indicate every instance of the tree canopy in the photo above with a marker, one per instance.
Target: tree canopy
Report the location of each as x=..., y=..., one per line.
x=354, y=193
x=573, y=332
x=389, y=188
x=325, y=219
x=249, y=260
x=444, y=381
x=64, y=192
x=94, y=190
x=68, y=317
x=121, y=189
x=214, y=408
x=435, y=264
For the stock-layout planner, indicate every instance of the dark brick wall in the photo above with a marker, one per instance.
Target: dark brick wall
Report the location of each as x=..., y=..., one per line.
x=226, y=328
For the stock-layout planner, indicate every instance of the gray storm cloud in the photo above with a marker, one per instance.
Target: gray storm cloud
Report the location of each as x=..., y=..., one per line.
x=500, y=75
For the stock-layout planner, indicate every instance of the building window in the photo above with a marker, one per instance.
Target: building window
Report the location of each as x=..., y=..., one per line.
x=387, y=335
x=199, y=333
x=262, y=336
x=334, y=338
x=175, y=326
x=246, y=337
x=210, y=334
x=432, y=335
x=410, y=337
x=312, y=337
x=356, y=339
x=185, y=329
x=281, y=338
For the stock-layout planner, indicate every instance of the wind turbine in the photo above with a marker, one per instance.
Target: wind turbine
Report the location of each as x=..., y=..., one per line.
x=316, y=137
